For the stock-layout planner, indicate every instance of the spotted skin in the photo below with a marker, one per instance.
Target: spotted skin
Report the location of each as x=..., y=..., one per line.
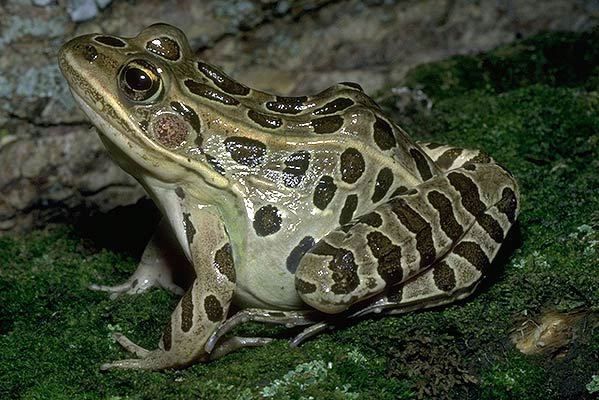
x=445, y=223
x=286, y=206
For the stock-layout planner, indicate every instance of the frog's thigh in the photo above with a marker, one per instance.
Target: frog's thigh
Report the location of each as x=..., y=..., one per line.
x=465, y=212
x=201, y=309
x=162, y=264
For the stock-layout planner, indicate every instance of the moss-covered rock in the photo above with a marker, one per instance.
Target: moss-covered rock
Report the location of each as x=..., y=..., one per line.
x=533, y=105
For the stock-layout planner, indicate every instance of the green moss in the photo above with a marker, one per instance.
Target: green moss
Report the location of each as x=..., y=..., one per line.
x=556, y=59
x=542, y=125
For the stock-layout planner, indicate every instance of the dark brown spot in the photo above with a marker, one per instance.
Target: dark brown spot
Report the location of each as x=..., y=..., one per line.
x=324, y=192
x=371, y=219
x=209, y=93
x=110, y=41
x=167, y=337
x=422, y=164
x=265, y=120
x=449, y=224
x=192, y=119
x=214, y=310
x=334, y=106
x=187, y=310
x=223, y=262
x=245, y=151
x=179, y=192
x=223, y=81
x=418, y=225
x=296, y=166
x=384, y=180
x=352, y=165
x=298, y=252
x=388, y=256
x=444, y=276
x=469, y=192
x=469, y=166
x=342, y=265
x=304, y=287
x=164, y=47
x=448, y=157
x=491, y=226
x=347, y=212
x=267, y=220
x=401, y=190
x=287, y=105
x=329, y=124
x=383, y=135
x=190, y=230
x=395, y=294
x=508, y=204
x=217, y=166
x=474, y=254
x=170, y=130
x=352, y=85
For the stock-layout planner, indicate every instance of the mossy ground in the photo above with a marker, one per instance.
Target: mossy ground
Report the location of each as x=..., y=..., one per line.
x=535, y=111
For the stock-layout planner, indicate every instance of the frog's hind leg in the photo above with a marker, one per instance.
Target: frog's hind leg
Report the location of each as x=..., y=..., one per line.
x=427, y=247
x=288, y=318
x=162, y=264
x=436, y=240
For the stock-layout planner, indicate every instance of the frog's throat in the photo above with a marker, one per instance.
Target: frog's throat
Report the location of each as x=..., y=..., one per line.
x=136, y=155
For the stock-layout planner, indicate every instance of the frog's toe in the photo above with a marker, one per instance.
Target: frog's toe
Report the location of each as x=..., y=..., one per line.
x=130, y=346
x=116, y=290
x=136, y=286
x=231, y=344
x=307, y=333
x=131, y=363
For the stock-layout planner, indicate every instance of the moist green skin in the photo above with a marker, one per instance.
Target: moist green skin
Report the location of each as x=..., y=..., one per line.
x=547, y=134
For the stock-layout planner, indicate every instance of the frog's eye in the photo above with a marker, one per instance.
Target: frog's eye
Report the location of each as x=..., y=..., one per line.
x=140, y=81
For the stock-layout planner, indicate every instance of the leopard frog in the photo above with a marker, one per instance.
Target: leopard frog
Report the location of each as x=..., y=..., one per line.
x=296, y=210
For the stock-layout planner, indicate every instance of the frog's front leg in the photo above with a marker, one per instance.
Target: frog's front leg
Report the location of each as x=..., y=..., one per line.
x=201, y=309
x=162, y=264
x=434, y=243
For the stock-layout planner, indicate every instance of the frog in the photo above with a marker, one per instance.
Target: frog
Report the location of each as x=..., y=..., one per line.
x=306, y=211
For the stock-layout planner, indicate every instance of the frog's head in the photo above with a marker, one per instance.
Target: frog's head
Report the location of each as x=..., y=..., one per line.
x=130, y=88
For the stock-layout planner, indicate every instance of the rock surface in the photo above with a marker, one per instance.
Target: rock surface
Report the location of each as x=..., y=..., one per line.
x=54, y=167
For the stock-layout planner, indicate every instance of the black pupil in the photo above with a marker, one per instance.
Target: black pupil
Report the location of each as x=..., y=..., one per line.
x=138, y=79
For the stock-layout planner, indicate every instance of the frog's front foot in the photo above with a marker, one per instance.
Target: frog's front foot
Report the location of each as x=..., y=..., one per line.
x=162, y=265
x=140, y=282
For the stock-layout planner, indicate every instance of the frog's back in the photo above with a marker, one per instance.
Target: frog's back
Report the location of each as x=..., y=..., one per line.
x=302, y=165
x=338, y=118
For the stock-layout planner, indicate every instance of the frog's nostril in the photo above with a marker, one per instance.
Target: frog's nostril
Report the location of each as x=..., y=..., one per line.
x=90, y=53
